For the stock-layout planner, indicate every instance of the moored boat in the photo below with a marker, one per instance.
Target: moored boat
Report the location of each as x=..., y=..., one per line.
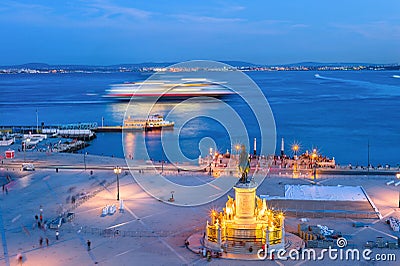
x=153, y=122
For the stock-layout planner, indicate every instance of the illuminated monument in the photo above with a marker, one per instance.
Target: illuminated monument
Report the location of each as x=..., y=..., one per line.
x=246, y=223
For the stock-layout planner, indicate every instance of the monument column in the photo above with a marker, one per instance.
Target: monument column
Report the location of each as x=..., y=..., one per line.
x=245, y=198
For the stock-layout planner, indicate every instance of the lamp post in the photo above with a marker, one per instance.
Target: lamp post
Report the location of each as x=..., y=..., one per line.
x=162, y=161
x=398, y=177
x=25, y=144
x=295, y=149
x=84, y=159
x=84, y=150
x=237, y=148
x=24, y=149
x=37, y=122
x=211, y=161
x=314, y=164
x=117, y=171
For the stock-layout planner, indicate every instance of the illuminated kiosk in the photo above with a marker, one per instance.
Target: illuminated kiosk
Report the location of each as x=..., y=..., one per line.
x=246, y=223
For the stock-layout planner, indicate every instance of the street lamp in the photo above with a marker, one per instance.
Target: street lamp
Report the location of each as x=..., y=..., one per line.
x=398, y=177
x=117, y=171
x=314, y=164
x=237, y=147
x=295, y=149
x=25, y=143
x=84, y=159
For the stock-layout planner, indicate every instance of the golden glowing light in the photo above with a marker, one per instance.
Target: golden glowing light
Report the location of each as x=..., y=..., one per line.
x=314, y=154
x=224, y=224
x=295, y=147
x=117, y=170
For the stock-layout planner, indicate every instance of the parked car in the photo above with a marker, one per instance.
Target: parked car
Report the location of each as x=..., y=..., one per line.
x=28, y=167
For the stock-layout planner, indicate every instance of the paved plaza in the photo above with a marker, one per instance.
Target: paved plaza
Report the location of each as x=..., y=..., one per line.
x=149, y=231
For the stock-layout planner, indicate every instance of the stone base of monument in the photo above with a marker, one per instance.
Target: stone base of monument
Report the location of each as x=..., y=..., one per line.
x=196, y=245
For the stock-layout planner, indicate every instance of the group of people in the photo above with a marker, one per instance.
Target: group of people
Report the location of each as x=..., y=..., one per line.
x=41, y=241
x=39, y=222
x=206, y=253
x=88, y=243
x=42, y=225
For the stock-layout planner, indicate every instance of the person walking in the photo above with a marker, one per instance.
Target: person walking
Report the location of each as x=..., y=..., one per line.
x=47, y=241
x=41, y=241
x=88, y=245
x=19, y=259
x=57, y=234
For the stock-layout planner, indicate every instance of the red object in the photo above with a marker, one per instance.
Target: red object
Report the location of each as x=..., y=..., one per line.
x=10, y=154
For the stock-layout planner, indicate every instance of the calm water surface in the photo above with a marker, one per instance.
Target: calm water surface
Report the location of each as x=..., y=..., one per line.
x=336, y=112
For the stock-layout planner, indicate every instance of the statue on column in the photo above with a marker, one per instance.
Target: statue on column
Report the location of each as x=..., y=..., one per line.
x=244, y=165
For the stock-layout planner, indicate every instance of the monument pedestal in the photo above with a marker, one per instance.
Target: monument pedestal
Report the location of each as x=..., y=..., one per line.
x=245, y=195
x=246, y=224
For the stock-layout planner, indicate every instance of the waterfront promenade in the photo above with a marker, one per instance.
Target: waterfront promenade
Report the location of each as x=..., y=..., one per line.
x=149, y=231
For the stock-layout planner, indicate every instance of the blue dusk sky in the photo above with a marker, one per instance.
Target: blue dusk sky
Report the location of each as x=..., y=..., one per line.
x=104, y=32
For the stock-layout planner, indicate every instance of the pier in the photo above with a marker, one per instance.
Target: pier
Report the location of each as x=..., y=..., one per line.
x=79, y=130
x=108, y=129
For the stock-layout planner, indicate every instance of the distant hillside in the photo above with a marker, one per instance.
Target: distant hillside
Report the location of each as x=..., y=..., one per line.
x=318, y=64
x=138, y=66
x=44, y=66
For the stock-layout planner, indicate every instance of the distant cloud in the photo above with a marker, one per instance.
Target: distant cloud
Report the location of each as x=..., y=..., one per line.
x=375, y=29
x=22, y=12
x=109, y=9
x=12, y=5
x=233, y=8
x=237, y=8
x=95, y=13
x=206, y=19
x=300, y=26
x=272, y=27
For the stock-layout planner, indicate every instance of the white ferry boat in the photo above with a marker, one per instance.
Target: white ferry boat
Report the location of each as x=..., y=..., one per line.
x=153, y=122
x=164, y=90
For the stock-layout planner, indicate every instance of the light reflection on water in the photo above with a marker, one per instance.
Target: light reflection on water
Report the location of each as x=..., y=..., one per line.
x=225, y=120
x=190, y=132
x=337, y=116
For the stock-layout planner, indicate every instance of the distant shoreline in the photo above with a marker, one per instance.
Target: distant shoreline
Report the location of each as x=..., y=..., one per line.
x=38, y=68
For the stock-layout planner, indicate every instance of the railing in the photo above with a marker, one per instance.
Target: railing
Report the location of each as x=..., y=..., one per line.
x=81, y=200
x=113, y=232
